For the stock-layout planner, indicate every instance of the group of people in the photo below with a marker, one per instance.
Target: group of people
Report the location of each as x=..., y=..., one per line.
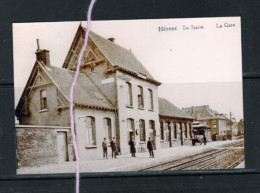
x=112, y=145
x=150, y=147
x=132, y=144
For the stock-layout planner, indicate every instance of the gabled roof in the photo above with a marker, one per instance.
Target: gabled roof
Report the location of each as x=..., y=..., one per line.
x=166, y=108
x=115, y=54
x=119, y=56
x=85, y=92
x=203, y=112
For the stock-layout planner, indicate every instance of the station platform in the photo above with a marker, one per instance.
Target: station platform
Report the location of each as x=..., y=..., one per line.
x=124, y=162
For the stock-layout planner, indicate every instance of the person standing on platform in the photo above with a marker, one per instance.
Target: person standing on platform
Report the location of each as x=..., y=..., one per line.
x=150, y=147
x=104, y=145
x=204, y=139
x=132, y=147
x=113, y=147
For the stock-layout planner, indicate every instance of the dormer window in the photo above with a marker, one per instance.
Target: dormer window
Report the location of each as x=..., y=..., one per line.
x=140, y=97
x=43, y=99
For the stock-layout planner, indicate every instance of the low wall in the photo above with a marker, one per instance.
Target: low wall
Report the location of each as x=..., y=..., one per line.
x=37, y=145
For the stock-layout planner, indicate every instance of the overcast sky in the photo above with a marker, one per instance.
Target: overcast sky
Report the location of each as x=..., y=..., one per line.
x=207, y=55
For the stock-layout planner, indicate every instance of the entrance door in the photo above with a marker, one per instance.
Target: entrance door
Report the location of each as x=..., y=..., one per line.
x=130, y=129
x=62, y=146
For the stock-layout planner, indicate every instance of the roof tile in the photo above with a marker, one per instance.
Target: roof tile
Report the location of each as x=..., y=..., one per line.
x=166, y=108
x=85, y=92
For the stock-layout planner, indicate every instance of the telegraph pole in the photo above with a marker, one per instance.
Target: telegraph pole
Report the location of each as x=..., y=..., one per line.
x=231, y=124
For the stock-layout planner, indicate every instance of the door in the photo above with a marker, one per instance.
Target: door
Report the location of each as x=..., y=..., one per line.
x=62, y=146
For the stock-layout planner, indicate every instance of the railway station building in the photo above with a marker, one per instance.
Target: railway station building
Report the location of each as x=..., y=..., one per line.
x=114, y=96
x=175, y=125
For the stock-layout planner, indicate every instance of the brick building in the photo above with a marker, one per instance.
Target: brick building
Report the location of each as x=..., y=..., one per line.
x=114, y=96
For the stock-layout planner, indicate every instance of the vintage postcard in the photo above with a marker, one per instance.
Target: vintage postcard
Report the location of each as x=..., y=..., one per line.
x=152, y=95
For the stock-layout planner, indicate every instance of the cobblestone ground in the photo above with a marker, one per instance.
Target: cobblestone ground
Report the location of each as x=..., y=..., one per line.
x=123, y=162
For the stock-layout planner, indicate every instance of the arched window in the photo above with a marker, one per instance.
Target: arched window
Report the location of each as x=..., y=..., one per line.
x=142, y=129
x=107, y=128
x=129, y=94
x=130, y=129
x=150, y=99
x=152, y=129
x=140, y=97
x=91, y=131
x=161, y=131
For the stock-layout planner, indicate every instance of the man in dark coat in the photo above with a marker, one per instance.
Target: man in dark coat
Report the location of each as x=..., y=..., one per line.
x=132, y=146
x=204, y=140
x=150, y=147
x=113, y=147
x=104, y=145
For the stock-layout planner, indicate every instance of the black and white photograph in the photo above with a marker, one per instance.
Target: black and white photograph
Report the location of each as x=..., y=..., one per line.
x=151, y=95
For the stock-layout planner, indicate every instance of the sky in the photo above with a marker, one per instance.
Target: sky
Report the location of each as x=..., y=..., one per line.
x=224, y=97
x=178, y=57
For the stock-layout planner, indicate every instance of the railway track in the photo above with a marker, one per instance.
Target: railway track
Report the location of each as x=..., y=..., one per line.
x=204, y=160
x=236, y=163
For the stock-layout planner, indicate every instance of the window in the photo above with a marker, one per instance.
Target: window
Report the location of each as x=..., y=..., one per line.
x=161, y=131
x=43, y=99
x=152, y=129
x=130, y=124
x=142, y=129
x=140, y=97
x=167, y=137
x=150, y=99
x=129, y=94
x=91, y=131
x=107, y=128
x=130, y=129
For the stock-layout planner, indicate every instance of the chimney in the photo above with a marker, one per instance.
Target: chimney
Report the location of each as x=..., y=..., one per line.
x=42, y=55
x=111, y=39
